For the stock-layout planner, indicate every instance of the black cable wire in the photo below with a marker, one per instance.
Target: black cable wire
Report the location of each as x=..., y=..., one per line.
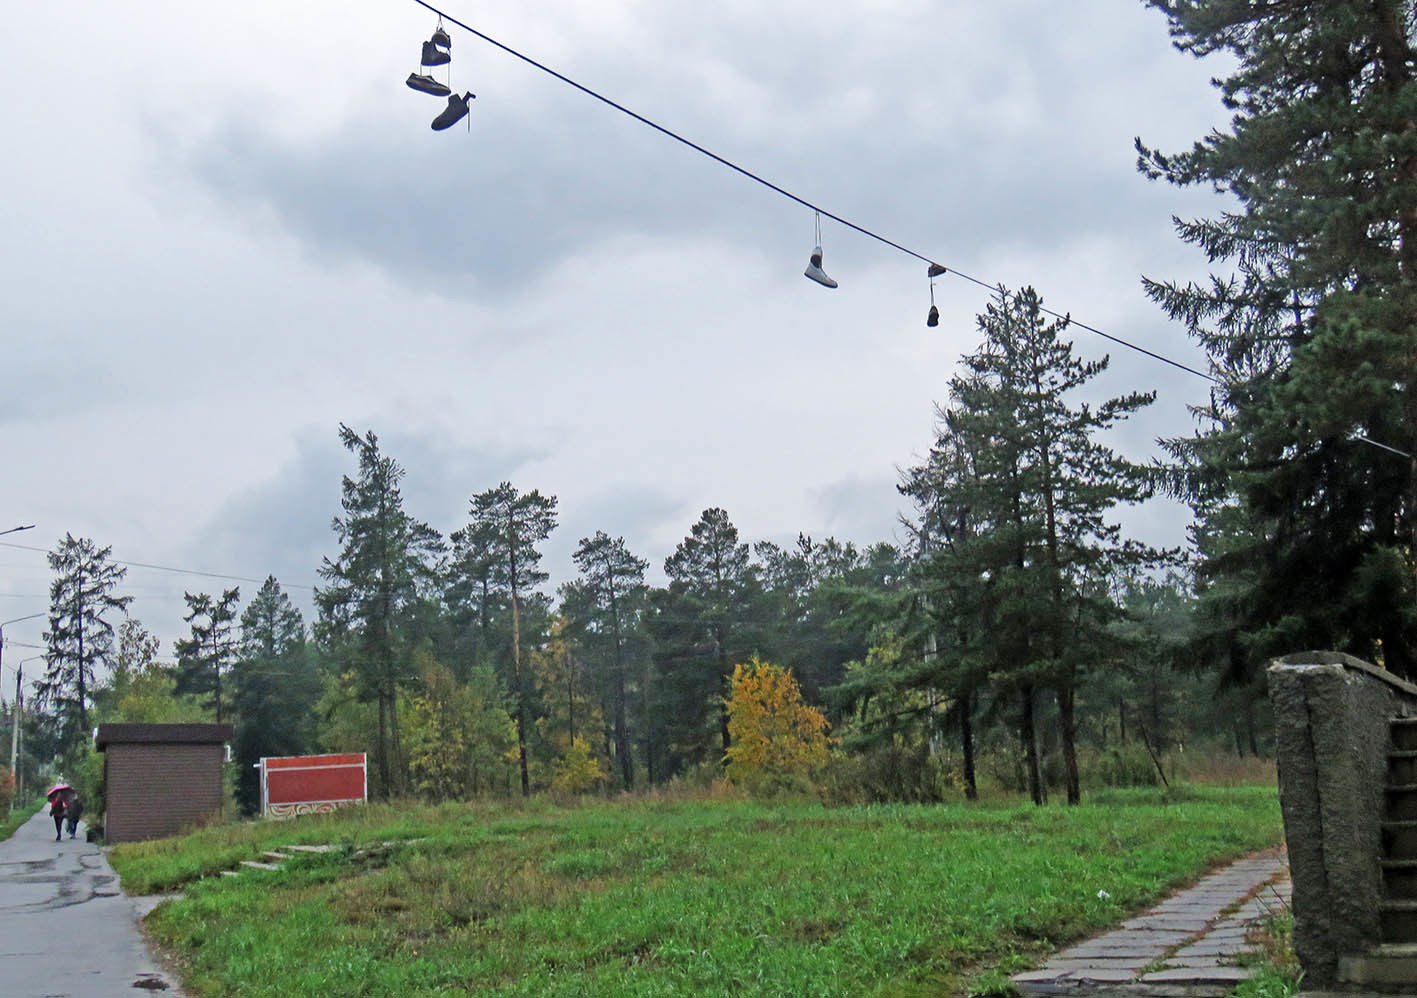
x=793, y=197
x=165, y=568
x=994, y=288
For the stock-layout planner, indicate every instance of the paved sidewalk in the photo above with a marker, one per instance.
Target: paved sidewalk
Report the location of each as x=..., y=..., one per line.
x=66, y=930
x=1187, y=945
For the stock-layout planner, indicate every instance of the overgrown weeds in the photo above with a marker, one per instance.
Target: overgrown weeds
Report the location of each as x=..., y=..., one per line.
x=660, y=897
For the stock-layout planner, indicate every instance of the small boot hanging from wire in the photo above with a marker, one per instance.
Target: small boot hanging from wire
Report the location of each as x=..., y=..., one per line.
x=454, y=112
x=933, y=318
x=437, y=51
x=814, y=263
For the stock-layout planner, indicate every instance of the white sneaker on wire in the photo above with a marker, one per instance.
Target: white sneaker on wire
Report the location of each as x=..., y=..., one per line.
x=815, y=272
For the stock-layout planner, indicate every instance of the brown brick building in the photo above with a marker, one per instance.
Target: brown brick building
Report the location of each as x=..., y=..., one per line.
x=160, y=778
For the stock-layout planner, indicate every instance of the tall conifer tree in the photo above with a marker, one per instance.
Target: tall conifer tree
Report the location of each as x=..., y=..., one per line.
x=206, y=656
x=1311, y=334
x=80, y=635
x=1031, y=570
x=274, y=686
x=705, y=616
x=614, y=581
x=508, y=525
x=386, y=565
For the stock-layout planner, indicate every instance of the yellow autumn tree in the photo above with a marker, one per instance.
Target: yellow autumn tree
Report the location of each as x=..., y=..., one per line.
x=776, y=741
x=579, y=771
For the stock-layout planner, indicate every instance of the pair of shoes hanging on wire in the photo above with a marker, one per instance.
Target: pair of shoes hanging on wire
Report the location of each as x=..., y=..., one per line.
x=932, y=319
x=438, y=51
x=815, y=272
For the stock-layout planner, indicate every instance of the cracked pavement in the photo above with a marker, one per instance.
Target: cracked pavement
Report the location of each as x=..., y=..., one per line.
x=66, y=929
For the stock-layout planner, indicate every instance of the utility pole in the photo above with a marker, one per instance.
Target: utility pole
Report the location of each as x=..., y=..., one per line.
x=15, y=719
x=16, y=714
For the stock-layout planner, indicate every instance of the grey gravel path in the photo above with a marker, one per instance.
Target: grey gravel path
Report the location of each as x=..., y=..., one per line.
x=1187, y=945
x=66, y=930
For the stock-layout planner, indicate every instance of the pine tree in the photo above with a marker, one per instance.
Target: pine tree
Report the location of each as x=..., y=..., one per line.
x=614, y=581
x=1038, y=488
x=207, y=655
x=1310, y=337
x=386, y=566
x=475, y=602
x=511, y=525
x=703, y=622
x=80, y=637
x=274, y=686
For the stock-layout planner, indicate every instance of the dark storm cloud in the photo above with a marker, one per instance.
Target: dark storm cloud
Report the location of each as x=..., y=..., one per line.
x=953, y=160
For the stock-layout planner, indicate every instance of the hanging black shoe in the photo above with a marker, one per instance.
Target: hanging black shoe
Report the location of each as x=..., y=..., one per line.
x=453, y=113
x=434, y=56
x=441, y=38
x=428, y=85
x=933, y=319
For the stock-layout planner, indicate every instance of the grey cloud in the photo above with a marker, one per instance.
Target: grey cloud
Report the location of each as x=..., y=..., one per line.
x=483, y=214
x=282, y=527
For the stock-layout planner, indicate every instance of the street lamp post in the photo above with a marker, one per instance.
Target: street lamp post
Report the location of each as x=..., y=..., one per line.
x=19, y=692
x=17, y=718
x=27, y=526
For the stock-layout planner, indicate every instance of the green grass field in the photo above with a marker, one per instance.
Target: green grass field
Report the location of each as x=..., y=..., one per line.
x=678, y=898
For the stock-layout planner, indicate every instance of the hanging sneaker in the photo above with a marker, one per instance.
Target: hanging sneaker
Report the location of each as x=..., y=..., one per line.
x=934, y=270
x=441, y=38
x=453, y=113
x=933, y=319
x=434, y=56
x=428, y=85
x=815, y=272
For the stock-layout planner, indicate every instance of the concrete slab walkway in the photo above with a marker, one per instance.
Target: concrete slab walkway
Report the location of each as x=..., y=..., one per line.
x=1187, y=945
x=66, y=929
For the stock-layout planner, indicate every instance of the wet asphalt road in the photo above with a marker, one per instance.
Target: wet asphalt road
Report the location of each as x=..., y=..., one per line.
x=66, y=930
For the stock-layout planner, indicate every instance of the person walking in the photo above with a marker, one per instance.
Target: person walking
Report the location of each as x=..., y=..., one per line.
x=57, y=809
x=73, y=808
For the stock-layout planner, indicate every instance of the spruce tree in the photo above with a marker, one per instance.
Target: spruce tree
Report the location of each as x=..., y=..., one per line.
x=1024, y=580
x=614, y=581
x=274, y=686
x=206, y=656
x=80, y=635
x=1310, y=333
x=387, y=566
x=703, y=623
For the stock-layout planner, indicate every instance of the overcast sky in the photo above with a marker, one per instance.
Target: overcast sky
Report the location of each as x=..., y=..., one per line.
x=229, y=228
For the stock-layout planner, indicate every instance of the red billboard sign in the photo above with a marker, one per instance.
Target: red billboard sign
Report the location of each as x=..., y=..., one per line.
x=310, y=784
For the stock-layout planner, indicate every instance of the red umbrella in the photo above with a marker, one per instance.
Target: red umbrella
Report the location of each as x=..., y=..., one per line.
x=56, y=788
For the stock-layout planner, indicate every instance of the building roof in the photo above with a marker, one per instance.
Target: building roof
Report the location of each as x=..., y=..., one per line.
x=180, y=734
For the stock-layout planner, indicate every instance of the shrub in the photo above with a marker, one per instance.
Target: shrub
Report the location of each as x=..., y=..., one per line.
x=7, y=788
x=1123, y=766
x=777, y=742
x=898, y=772
x=579, y=771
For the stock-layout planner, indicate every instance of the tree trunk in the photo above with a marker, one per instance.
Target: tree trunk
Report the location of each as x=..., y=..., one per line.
x=383, y=749
x=521, y=688
x=966, y=730
x=1030, y=747
x=1070, y=754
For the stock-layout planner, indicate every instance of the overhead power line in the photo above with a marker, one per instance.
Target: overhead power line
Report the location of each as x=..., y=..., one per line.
x=168, y=568
x=868, y=233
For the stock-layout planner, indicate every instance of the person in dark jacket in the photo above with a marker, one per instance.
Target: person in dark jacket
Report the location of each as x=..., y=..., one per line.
x=73, y=808
x=57, y=808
